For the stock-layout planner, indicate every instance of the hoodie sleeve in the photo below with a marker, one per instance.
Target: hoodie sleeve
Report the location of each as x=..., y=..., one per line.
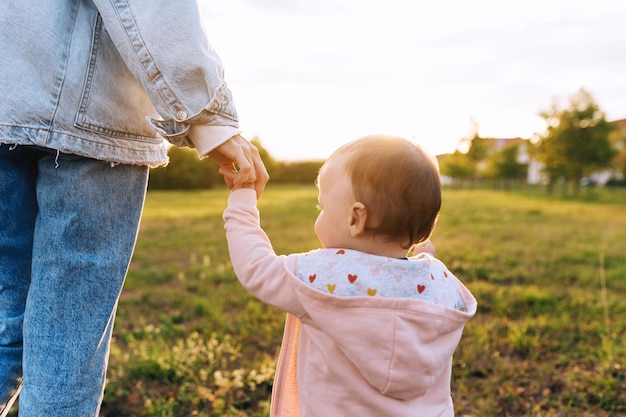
x=164, y=45
x=263, y=274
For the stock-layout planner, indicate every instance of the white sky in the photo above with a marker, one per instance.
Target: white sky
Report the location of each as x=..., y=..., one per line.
x=309, y=75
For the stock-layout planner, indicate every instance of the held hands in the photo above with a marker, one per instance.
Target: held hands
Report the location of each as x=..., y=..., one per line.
x=240, y=164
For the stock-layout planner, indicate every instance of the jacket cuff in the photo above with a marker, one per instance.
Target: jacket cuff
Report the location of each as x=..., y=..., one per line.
x=172, y=130
x=205, y=138
x=216, y=130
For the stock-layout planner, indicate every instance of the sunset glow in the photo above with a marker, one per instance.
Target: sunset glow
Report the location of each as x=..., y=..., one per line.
x=308, y=76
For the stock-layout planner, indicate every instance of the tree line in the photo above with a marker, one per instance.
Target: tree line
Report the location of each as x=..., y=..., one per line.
x=186, y=171
x=577, y=143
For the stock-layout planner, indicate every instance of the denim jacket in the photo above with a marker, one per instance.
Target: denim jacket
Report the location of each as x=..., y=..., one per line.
x=109, y=79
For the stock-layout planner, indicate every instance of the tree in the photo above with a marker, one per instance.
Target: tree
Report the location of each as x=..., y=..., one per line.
x=576, y=142
x=619, y=163
x=270, y=163
x=476, y=151
x=457, y=166
x=304, y=172
x=618, y=139
x=503, y=166
x=465, y=163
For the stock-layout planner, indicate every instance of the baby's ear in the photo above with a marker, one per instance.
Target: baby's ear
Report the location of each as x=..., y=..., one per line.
x=358, y=219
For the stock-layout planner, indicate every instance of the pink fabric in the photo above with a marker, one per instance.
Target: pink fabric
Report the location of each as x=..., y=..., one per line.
x=347, y=356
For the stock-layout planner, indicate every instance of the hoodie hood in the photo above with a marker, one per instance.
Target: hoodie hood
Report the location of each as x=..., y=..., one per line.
x=401, y=346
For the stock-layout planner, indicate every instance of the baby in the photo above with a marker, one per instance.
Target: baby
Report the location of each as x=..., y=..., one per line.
x=373, y=317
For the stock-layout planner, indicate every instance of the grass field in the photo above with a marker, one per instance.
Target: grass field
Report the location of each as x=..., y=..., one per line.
x=549, y=274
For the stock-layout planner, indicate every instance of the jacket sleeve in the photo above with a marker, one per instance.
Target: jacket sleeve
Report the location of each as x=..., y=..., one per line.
x=263, y=274
x=164, y=45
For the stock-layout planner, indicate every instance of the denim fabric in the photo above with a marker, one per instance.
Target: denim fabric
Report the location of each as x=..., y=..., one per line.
x=68, y=225
x=100, y=78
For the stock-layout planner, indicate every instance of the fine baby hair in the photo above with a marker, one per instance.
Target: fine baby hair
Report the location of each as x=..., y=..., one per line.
x=398, y=182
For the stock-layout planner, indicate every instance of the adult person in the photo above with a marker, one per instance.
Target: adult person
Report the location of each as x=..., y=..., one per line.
x=85, y=85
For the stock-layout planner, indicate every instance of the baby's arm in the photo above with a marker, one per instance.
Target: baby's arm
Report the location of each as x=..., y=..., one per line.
x=263, y=274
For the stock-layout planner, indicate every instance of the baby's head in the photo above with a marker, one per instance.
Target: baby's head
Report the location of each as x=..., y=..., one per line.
x=396, y=182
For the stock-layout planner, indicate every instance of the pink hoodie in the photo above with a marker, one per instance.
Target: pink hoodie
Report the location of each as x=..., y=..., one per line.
x=361, y=356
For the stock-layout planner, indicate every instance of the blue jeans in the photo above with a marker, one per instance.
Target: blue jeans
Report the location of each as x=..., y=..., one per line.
x=68, y=226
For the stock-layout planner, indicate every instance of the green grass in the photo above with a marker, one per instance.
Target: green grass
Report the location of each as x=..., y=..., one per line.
x=549, y=274
x=548, y=337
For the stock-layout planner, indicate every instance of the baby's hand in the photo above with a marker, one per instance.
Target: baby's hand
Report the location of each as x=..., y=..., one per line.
x=422, y=247
x=240, y=163
x=230, y=178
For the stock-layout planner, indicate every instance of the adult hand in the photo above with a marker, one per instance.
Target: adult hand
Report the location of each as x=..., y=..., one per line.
x=241, y=164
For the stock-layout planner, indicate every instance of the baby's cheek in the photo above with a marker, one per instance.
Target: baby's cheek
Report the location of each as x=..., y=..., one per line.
x=318, y=227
